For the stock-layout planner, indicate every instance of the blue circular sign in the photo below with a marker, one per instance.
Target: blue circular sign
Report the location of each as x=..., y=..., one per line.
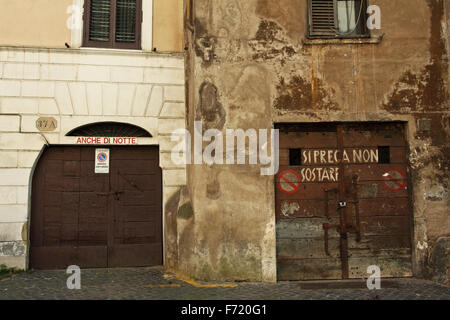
x=102, y=157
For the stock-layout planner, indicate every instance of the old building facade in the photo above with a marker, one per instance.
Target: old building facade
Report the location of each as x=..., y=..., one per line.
x=65, y=81
x=374, y=95
x=354, y=93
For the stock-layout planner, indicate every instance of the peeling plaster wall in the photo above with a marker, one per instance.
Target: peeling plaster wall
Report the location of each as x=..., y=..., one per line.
x=247, y=67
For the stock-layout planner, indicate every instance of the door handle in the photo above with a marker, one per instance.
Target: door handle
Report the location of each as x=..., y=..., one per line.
x=116, y=194
x=327, y=200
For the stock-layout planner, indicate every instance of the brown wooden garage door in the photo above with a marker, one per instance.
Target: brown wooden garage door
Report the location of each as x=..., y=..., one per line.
x=344, y=206
x=96, y=220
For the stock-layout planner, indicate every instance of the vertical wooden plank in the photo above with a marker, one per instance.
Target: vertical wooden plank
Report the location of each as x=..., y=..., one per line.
x=300, y=216
x=385, y=216
x=343, y=210
x=137, y=207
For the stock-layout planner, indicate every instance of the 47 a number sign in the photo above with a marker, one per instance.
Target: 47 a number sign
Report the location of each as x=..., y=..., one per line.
x=46, y=124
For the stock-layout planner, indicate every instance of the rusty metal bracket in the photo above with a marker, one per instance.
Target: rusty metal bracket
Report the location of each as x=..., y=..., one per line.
x=326, y=226
x=358, y=217
x=356, y=202
x=327, y=199
x=356, y=228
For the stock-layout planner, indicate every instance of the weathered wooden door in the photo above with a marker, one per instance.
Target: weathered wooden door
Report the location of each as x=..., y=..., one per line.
x=83, y=218
x=136, y=238
x=347, y=206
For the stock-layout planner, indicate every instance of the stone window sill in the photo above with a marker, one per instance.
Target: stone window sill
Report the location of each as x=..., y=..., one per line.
x=372, y=40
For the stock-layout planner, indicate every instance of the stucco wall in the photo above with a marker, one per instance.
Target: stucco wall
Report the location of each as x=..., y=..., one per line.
x=43, y=23
x=40, y=23
x=168, y=26
x=254, y=56
x=78, y=87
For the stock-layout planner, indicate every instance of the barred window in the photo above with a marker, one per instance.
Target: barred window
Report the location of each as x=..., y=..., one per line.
x=113, y=24
x=337, y=18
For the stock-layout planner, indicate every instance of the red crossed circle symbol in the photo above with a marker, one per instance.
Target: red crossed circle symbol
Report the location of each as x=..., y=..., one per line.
x=102, y=157
x=289, y=181
x=394, y=180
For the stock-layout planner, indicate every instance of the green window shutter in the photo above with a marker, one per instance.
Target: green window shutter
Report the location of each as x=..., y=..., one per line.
x=99, y=22
x=126, y=21
x=322, y=18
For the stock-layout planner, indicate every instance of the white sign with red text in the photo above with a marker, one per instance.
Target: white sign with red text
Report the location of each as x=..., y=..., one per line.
x=107, y=140
x=101, y=160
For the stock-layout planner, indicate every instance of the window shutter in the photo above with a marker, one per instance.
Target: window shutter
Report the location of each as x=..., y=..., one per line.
x=126, y=21
x=99, y=22
x=322, y=18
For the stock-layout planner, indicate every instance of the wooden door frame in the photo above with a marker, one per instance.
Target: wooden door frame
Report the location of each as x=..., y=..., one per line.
x=410, y=184
x=30, y=193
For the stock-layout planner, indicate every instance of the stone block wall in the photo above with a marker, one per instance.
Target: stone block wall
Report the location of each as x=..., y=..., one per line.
x=78, y=87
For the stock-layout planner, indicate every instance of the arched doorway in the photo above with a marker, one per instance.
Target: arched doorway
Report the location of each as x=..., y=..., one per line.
x=95, y=220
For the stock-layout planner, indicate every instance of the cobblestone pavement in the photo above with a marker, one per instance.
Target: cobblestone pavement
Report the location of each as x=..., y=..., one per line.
x=154, y=284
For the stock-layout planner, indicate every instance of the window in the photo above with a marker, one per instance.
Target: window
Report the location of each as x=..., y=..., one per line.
x=337, y=18
x=113, y=24
x=295, y=157
x=384, y=155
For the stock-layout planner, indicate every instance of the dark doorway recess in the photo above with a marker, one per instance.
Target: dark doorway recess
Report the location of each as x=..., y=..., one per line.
x=109, y=129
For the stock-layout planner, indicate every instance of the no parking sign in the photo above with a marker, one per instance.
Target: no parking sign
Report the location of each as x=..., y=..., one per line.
x=289, y=181
x=394, y=180
x=101, y=160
